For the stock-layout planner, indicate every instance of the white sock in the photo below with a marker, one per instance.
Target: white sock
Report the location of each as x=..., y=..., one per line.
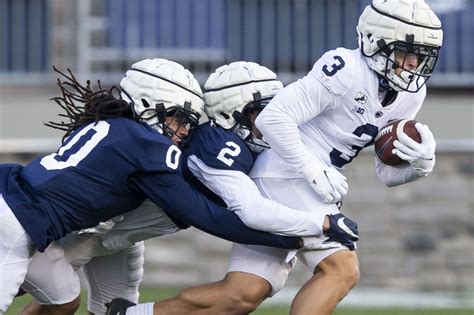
x=140, y=309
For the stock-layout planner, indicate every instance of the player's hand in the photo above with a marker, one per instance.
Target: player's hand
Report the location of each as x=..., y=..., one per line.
x=343, y=230
x=102, y=227
x=421, y=156
x=329, y=183
x=319, y=243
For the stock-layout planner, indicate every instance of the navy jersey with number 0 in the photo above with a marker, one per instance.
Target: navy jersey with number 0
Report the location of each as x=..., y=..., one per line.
x=104, y=170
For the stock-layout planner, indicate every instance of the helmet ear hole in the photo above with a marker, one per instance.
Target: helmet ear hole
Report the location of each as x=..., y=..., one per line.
x=145, y=103
x=224, y=115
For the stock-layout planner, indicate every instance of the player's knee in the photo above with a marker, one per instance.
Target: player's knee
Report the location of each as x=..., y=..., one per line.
x=342, y=266
x=245, y=292
x=69, y=308
x=350, y=276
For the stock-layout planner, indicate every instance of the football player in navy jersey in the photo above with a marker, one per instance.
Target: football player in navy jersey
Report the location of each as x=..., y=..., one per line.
x=217, y=163
x=112, y=159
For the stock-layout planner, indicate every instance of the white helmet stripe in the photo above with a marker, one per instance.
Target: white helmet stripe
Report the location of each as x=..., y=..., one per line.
x=238, y=84
x=169, y=81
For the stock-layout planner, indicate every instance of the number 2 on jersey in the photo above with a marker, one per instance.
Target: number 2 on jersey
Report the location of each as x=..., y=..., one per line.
x=231, y=151
x=367, y=129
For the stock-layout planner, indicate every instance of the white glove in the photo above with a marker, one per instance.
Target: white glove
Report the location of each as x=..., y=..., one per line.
x=102, y=227
x=421, y=156
x=328, y=182
x=313, y=243
x=318, y=243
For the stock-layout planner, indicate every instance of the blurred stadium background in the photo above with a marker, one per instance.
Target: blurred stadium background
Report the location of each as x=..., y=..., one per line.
x=416, y=239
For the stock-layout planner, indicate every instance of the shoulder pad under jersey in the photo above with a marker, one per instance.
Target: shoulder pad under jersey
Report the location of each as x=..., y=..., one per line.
x=336, y=70
x=220, y=148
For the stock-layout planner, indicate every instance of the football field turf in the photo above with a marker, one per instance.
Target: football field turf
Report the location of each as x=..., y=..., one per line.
x=148, y=294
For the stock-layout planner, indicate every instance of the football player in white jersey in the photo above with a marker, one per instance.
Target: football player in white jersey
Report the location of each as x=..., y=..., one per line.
x=113, y=263
x=316, y=126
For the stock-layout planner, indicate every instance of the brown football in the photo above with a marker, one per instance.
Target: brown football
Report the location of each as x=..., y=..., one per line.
x=388, y=134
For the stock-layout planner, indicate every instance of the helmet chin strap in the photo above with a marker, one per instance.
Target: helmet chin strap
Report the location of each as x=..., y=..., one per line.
x=406, y=76
x=255, y=144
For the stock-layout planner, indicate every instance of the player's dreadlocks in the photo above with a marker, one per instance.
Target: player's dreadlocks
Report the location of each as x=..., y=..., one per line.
x=97, y=105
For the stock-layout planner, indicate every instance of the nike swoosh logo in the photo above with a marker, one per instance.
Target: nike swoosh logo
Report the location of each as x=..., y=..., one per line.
x=345, y=228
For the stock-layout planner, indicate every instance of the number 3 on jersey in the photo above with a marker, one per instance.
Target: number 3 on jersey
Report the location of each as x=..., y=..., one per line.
x=232, y=150
x=338, y=65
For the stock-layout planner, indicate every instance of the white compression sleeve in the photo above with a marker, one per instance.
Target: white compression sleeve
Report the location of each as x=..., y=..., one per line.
x=296, y=104
x=393, y=176
x=241, y=195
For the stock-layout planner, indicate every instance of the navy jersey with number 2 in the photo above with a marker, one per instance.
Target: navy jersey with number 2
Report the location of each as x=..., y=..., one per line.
x=109, y=168
x=219, y=149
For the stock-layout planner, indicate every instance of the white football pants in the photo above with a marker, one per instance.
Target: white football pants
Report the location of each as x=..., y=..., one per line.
x=16, y=249
x=268, y=262
x=52, y=277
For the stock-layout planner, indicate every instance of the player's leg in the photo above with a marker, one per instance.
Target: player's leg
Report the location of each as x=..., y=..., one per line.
x=255, y=273
x=53, y=282
x=332, y=280
x=336, y=270
x=16, y=250
x=237, y=293
x=112, y=276
x=52, y=279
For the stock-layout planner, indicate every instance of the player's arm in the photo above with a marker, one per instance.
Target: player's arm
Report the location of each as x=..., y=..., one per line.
x=279, y=121
x=292, y=106
x=420, y=158
x=393, y=176
x=242, y=196
x=171, y=192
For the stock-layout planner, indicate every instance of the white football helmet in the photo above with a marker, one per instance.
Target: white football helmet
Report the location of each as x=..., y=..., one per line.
x=233, y=90
x=407, y=28
x=159, y=88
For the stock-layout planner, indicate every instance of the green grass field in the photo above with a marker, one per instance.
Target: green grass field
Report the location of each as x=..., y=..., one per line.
x=158, y=294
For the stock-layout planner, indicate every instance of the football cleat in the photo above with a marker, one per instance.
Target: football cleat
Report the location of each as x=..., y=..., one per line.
x=118, y=306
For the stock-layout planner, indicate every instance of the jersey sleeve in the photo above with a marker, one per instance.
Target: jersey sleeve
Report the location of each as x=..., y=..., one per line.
x=179, y=200
x=300, y=102
x=149, y=151
x=398, y=175
x=241, y=195
x=335, y=71
x=395, y=175
x=220, y=149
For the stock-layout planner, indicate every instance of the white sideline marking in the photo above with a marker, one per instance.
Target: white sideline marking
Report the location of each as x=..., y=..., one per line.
x=389, y=298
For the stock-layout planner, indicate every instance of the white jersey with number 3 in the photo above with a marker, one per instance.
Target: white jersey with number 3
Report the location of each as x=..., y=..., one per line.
x=330, y=115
